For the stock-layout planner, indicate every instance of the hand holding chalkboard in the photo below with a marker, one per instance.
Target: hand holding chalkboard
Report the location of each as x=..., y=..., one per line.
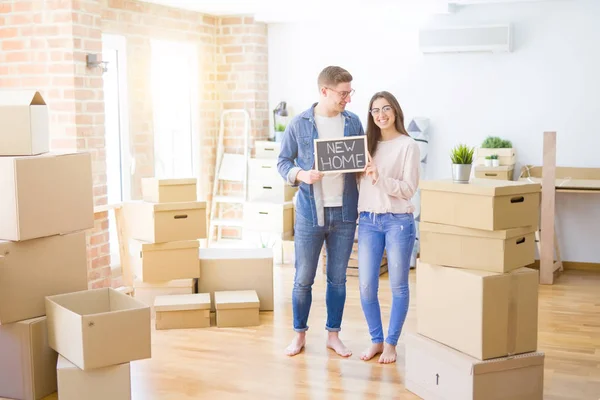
x=347, y=154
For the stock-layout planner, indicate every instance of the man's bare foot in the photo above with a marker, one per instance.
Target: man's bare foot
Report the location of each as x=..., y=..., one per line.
x=372, y=351
x=297, y=344
x=389, y=354
x=335, y=344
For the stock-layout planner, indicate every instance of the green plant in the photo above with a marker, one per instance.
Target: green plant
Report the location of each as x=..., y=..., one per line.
x=462, y=154
x=494, y=156
x=280, y=128
x=494, y=142
x=488, y=157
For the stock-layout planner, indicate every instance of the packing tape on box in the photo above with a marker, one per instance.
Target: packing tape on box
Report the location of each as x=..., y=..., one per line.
x=513, y=297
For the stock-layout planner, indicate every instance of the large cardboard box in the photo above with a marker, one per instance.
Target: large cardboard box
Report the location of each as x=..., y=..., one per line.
x=36, y=268
x=481, y=204
x=483, y=314
x=435, y=371
x=225, y=269
x=27, y=363
x=269, y=217
x=161, y=262
x=182, y=311
x=112, y=382
x=237, y=308
x=166, y=222
x=98, y=328
x=495, y=251
x=45, y=195
x=24, y=124
x=156, y=190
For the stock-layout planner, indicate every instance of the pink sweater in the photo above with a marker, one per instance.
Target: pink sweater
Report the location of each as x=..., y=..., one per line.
x=397, y=162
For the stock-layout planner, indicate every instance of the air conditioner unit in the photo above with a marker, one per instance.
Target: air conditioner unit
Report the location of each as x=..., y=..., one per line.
x=490, y=38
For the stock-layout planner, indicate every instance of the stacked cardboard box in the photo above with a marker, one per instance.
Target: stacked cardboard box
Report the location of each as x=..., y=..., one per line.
x=269, y=209
x=165, y=228
x=477, y=300
x=507, y=158
x=46, y=204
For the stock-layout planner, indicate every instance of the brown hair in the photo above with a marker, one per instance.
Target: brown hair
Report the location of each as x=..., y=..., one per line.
x=373, y=131
x=332, y=75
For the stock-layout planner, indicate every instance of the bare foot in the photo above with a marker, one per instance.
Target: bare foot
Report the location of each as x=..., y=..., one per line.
x=372, y=351
x=297, y=345
x=335, y=344
x=389, y=354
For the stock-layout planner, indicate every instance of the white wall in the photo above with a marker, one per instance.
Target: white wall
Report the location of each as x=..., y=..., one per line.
x=551, y=81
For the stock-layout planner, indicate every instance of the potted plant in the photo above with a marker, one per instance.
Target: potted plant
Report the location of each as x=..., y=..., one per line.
x=279, y=130
x=495, y=161
x=462, y=162
x=494, y=145
x=488, y=161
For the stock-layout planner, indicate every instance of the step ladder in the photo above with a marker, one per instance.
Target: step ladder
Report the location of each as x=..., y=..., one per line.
x=229, y=167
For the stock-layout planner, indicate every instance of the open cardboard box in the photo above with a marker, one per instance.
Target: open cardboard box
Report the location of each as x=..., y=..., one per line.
x=25, y=124
x=98, y=328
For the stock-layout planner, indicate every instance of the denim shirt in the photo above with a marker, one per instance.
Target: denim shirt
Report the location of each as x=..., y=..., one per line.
x=297, y=153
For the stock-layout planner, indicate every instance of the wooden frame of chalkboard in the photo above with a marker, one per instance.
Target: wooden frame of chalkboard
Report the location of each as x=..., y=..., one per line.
x=341, y=153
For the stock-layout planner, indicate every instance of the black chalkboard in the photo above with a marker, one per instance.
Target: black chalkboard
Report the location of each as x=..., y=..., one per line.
x=347, y=154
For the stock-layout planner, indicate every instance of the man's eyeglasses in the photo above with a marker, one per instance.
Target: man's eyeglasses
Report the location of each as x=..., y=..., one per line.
x=385, y=109
x=342, y=94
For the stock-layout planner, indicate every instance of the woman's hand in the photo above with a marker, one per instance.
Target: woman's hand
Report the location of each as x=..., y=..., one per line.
x=371, y=169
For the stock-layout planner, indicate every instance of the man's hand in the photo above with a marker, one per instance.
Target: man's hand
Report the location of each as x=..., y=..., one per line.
x=309, y=177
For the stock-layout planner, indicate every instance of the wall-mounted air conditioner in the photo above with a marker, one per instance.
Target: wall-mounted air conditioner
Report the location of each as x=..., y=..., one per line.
x=490, y=38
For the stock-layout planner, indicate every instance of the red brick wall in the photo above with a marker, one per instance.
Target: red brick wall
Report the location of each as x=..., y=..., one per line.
x=43, y=46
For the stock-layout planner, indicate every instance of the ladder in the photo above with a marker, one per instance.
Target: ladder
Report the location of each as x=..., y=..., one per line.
x=229, y=167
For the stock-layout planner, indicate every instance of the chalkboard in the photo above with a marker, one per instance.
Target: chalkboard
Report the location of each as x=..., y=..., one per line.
x=347, y=154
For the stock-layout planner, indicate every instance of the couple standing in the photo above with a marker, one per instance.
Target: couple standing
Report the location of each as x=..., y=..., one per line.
x=328, y=207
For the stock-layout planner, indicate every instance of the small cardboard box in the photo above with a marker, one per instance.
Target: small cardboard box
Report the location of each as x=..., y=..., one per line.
x=502, y=172
x=267, y=149
x=24, y=126
x=161, y=262
x=225, y=269
x=155, y=190
x=506, y=156
x=183, y=311
x=487, y=204
x=146, y=292
x=435, y=371
x=98, y=328
x=498, y=313
x=45, y=195
x=495, y=251
x=166, y=222
x=27, y=363
x=112, y=382
x=269, y=217
x=238, y=308
x=33, y=269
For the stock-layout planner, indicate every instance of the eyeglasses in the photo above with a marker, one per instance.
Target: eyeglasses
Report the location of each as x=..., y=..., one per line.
x=342, y=94
x=385, y=109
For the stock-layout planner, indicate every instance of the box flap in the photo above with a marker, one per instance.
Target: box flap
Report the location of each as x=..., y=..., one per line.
x=457, y=230
x=171, y=182
x=236, y=299
x=188, y=205
x=481, y=186
x=176, y=283
x=182, y=302
x=63, y=364
x=235, y=253
x=181, y=244
x=507, y=363
x=18, y=97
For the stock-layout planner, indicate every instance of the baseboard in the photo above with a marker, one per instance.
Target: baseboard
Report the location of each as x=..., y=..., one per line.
x=573, y=265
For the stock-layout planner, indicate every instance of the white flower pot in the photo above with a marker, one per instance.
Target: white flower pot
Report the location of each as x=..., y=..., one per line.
x=488, y=162
x=495, y=163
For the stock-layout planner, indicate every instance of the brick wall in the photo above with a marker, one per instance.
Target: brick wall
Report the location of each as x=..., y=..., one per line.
x=44, y=45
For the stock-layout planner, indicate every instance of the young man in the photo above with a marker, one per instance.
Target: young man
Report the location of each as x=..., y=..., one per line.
x=326, y=205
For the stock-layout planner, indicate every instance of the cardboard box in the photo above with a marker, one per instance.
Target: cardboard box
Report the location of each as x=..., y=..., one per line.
x=183, y=311
x=239, y=308
x=267, y=149
x=264, y=170
x=36, y=268
x=166, y=222
x=161, y=262
x=98, y=328
x=495, y=251
x=483, y=314
x=435, y=371
x=113, y=382
x=481, y=204
x=269, y=217
x=146, y=292
x=507, y=156
x=27, y=364
x=225, y=269
x=24, y=123
x=156, y=190
x=502, y=172
x=45, y=195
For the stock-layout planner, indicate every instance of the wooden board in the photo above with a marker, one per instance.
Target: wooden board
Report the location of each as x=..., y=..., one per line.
x=566, y=178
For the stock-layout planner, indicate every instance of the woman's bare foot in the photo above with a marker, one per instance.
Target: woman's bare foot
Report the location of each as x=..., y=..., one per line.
x=372, y=351
x=389, y=354
x=297, y=344
x=335, y=344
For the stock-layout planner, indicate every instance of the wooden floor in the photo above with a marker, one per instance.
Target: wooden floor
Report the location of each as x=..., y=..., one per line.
x=247, y=364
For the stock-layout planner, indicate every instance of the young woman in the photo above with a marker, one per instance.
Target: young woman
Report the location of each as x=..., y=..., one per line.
x=386, y=220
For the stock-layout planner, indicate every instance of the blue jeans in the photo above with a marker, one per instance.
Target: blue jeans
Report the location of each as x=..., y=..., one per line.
x=396, y=233
x=308, y=241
